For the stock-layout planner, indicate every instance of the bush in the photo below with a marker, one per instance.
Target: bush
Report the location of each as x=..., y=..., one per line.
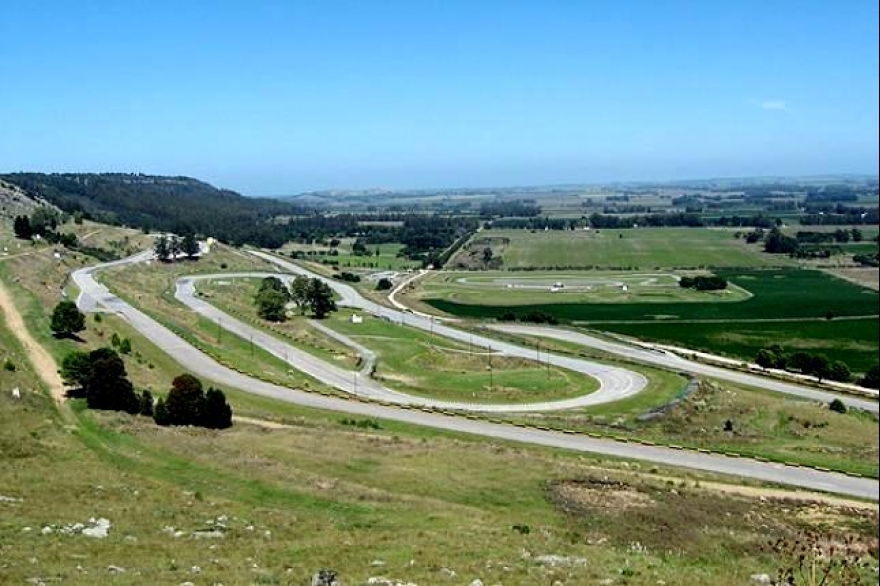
x=8, y=365
x=384, y=284
x=837, y=406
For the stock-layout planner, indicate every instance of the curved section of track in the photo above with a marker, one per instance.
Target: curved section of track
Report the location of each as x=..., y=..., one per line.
x=94, y=297
x=675, y=362
x=614, y=383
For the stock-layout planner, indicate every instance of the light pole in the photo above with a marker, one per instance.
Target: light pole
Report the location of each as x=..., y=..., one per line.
x=219, y=332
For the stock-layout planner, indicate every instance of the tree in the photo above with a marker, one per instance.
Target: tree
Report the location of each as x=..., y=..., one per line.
x=299, y=293
x=44, y=220
x=22, y=228
x=173, y=247
x=125, y=346
x=871, y=379
x=216, y=414
x=189, y=245
x=839, y=371
x=185, y=401
x=778, y=243
x=321, y=298
x=384, y=284
x=837, y=406
x=765, y=358
x=145, y=404
x=67, y=319
x=106, y=385
x=271, y=304
x=800, y=361
x=75, y=368
x=160, y=413
x=160, y=247
x=819, y=366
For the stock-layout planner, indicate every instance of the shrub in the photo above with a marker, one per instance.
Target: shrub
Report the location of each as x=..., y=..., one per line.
x=837, y=406
x=8, y=365
x=384, y=284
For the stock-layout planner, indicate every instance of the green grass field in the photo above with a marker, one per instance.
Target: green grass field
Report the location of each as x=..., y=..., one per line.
x=505, y=288
x=237, y=295
x=387, y=259
x=642, y=248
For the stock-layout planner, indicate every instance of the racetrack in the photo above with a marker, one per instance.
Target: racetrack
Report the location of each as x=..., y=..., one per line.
x=94, y=296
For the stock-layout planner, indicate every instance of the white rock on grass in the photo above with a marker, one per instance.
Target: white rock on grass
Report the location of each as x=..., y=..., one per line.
x=99, y=530
x=560, y=560
x=761, y=579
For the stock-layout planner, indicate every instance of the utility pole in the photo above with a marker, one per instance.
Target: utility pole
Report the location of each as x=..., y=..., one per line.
x=219, y=332
x=252, y=344
x=491, y=375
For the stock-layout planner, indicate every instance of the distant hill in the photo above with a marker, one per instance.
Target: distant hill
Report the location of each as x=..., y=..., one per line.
x=14, y=201
x=153, y=202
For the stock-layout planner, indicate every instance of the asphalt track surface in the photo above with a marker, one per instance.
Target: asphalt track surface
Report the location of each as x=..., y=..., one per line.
x=614, y=383
x=95, y=297
x=672, y=361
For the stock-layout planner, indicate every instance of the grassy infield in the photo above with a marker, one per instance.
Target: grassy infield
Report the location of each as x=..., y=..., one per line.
x=322, y=494
x=416, y=362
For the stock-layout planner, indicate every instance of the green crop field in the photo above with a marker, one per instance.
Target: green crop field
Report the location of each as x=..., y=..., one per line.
x=787, y=307
x=776, y=294
x=641, y=248
x=852, y=341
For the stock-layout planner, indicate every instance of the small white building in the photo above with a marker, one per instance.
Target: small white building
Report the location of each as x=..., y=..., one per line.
x=356, y=319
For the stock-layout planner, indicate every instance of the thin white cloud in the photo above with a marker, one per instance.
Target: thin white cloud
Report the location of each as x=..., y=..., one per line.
x=774, y=105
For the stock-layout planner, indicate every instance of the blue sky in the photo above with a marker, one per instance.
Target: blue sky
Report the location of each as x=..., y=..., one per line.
x=280, y=97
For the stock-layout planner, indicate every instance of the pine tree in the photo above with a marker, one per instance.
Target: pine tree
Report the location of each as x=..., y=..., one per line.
x=217, y=414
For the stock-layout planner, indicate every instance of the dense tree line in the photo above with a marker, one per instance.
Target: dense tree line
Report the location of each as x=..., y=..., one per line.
x=167, y=204
x=816, y=365
x=100, y=378
x=703, y=283
x=187, y=403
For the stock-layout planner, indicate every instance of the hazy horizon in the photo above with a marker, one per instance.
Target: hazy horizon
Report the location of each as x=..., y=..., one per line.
x=278, y=99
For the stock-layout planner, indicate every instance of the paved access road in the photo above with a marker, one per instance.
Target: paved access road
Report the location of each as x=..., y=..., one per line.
x=94, y=296
x=675, y=362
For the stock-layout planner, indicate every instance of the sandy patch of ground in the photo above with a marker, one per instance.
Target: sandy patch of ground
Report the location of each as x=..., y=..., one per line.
x=42, y=361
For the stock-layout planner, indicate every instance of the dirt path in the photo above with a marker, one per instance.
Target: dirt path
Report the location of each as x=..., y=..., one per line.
x=42, y=361
x=264, y=423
